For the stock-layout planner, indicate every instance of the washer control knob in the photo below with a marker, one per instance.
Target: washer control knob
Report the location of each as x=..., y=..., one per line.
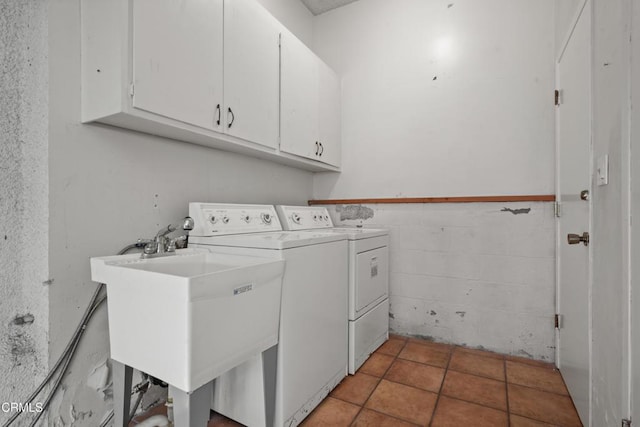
x=315, y=217
x=225, y=220
x=246, y=219
x=266, y=218
x=296, y=218
x=213, y=219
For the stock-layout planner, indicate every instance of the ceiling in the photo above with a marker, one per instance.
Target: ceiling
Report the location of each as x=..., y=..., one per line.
x=321, y=6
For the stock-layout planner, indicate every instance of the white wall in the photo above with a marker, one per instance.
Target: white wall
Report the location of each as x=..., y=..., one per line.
x=610, y=231
x=110, y=186
x=475, y=274
x=294, y=15
x=439, y=100
x=23, y=199
x=453, y=99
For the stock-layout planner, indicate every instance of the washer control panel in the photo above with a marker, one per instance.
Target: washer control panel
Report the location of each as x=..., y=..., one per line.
x=304, y=217
x=217, y=219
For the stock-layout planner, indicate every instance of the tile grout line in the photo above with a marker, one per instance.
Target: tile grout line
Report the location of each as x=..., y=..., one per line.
x=391, y=416
x=362, y=407
x=444, y=377
x=506, y=389
x=451, y=352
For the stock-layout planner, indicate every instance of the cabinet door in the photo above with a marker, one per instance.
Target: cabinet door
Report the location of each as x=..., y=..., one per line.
x=299, y=98
x=251, y=72
x=177, y=59
x=329, y=125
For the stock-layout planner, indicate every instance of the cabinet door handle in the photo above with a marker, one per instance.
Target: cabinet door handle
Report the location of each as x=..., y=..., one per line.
x=219, y=112
x=321, y=149
x=233, y=117
x=317, y=147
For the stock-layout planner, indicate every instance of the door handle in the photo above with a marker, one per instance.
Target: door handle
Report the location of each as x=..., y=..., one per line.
x=317, y=147
x=321, y=149
x=574, y=239
x=219, y=112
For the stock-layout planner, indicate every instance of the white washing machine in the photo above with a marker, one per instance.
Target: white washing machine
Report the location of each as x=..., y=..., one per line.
x=368, y=277
x=312, y=349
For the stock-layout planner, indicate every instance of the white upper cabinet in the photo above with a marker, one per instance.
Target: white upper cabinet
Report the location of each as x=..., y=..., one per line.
x=251, y=72
x=330, y=125
x=177, y=66
x=299, y=100
x=309, y=104
x=209, y=72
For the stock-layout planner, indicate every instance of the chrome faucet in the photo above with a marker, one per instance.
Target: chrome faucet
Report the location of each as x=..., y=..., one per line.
x=161, y=245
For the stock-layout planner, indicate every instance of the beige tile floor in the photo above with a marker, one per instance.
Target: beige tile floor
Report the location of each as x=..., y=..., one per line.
x=411, y=382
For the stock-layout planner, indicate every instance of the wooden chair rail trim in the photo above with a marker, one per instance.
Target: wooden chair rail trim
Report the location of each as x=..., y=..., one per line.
x=465, y=199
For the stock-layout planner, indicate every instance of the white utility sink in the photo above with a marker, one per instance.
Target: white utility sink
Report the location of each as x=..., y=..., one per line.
x=189, y=317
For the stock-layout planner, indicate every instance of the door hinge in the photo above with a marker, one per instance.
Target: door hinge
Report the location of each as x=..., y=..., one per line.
x=626, y=423
x=557, y=209
x=131, y=89
x=556, y=97
x=558, y=321
x=280, y=40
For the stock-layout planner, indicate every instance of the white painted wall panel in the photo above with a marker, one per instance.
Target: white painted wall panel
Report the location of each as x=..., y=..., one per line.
x=474, y=274
x=441, y=98
x=24, y=244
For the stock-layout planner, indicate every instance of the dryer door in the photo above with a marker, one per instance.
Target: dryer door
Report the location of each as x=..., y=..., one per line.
x=372, y=278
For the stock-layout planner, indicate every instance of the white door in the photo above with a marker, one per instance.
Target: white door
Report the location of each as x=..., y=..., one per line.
x=177, y=59
x=251, y=72
x=329, y=127
x=574, y=159
x=299, y=99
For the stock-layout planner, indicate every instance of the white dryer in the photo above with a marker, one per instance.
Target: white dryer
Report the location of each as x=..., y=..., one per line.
x=312, y=351
x=368, y=277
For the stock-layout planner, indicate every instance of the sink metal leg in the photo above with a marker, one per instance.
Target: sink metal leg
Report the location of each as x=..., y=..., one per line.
x=269, y=369
x=191, y=409
x=122, y=376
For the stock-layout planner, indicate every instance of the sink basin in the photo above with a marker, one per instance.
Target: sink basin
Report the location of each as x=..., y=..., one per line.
x=189, y=317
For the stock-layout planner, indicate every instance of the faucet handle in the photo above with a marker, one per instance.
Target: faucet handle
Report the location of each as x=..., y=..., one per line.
x=150, y=248
x=173, y=243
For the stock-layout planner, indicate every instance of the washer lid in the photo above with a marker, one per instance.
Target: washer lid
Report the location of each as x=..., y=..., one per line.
x=273, y=240
x=355, y=233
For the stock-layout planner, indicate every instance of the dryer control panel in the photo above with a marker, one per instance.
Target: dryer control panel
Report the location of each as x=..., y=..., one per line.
x=218, y=219
x=304, y=217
